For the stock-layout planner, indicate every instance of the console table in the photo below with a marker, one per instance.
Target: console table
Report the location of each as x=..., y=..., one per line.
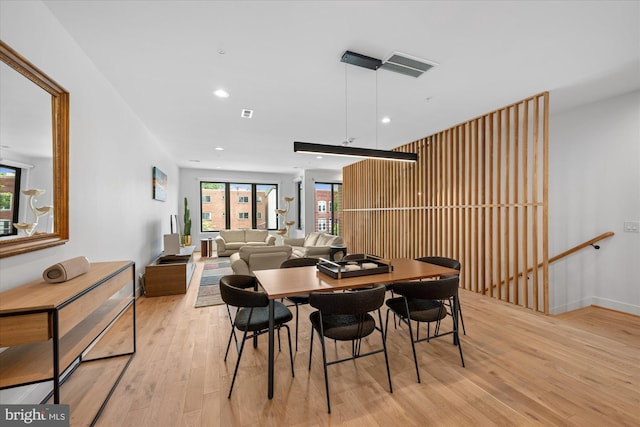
x=53, y=331
x=170, y=274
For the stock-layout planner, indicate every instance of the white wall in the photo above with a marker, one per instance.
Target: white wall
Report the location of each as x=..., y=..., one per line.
x=594, y=176
x=112, y=214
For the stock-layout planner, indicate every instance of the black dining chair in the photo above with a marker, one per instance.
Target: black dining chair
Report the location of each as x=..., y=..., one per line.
x=252, y=314
x=425, y=302
x=345, y=316
x=298, y=299
x=450, y=263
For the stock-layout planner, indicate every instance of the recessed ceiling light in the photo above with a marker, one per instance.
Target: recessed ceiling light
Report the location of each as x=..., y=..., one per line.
x=221, y=93
x=318, y=157
x=386, y=120
x=219, y=149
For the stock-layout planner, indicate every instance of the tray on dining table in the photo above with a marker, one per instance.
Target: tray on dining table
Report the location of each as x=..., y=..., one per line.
x=365, y=266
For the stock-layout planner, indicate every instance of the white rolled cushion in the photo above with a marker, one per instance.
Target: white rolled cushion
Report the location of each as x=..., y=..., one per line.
x=66, y=270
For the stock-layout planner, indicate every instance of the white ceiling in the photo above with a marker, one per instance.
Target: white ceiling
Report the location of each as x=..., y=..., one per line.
x=282, y=59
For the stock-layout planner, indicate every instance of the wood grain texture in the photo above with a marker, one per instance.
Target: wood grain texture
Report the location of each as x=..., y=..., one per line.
x=478, y=193
x=523, y=368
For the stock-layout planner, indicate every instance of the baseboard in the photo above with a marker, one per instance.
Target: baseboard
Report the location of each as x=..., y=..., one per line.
x=616, y=305
x=600, y=302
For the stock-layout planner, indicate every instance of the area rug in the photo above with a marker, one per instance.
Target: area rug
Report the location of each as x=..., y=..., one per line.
x=209, y=290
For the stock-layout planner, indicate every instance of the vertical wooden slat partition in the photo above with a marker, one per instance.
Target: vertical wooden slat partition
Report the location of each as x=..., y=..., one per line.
x=478, y=193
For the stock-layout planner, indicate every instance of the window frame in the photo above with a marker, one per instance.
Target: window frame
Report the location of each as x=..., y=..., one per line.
x=252, y=201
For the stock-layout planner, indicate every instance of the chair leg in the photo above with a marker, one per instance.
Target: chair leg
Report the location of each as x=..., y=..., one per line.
x=279, y=346
x=310, y=348
x=464, y=331
x=456, y=337
x=235, y=371
x=413, y=345
x=326, y=376
x=296, y=328
x=231, y=336
x=384, y=347
x=290, y=352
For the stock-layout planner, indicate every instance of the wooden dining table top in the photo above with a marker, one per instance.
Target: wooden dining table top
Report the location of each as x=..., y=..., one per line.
x=286, y=282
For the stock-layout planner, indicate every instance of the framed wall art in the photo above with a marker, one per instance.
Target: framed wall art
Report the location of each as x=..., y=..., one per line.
x=159, y=185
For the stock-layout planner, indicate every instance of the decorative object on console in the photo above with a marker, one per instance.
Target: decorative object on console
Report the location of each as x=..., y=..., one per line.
x=171, y=244
x=66, y=270
x=30, y=227
x=159, y=185
x=186, y=238
x=286, y=224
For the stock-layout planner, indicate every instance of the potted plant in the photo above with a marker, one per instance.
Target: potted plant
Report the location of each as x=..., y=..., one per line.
x=186, y=237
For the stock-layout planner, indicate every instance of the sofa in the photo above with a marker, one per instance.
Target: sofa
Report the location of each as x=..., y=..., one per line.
x=313, y=245
x=251, y=258
x=230, y=241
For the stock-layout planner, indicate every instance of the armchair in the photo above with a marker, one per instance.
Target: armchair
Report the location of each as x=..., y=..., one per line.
x=251, y=258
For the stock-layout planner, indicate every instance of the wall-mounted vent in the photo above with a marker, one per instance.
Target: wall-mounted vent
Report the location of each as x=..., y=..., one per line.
x=246, y=114
x=406, y=64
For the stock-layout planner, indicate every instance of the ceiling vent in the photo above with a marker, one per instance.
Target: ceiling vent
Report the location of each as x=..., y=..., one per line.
x=246, y=113
x=408, y=65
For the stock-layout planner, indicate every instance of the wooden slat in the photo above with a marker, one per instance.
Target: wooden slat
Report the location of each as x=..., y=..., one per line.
x=478, y=193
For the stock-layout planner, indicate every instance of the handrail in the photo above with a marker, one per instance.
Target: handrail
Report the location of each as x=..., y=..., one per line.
x=564, y=254
x=577, y=248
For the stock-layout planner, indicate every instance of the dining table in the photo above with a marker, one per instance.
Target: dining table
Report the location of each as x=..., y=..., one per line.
x=286, y=282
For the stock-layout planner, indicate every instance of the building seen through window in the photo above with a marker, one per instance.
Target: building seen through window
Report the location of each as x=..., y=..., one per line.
x=226, y=205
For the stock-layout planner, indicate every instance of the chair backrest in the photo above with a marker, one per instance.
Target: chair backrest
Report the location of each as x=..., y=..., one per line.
x=234, y=291
x=429, y=289
x=299, y=262
x=441, y=261
x=358, y=302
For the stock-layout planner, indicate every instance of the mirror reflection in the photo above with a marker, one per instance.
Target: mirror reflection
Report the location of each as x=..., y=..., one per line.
x=34, y=157
x=26, y=156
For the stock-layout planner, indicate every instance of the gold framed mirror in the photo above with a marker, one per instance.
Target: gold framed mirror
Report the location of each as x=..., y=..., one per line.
x=58, y=232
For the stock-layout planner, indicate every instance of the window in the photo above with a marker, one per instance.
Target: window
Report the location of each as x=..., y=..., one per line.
x=328, y=194
x=9, y=201
x=299, y=204
x=226, y=205
x=6, y=201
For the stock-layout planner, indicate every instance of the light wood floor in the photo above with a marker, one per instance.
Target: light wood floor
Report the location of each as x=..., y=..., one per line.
x=522, y=368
